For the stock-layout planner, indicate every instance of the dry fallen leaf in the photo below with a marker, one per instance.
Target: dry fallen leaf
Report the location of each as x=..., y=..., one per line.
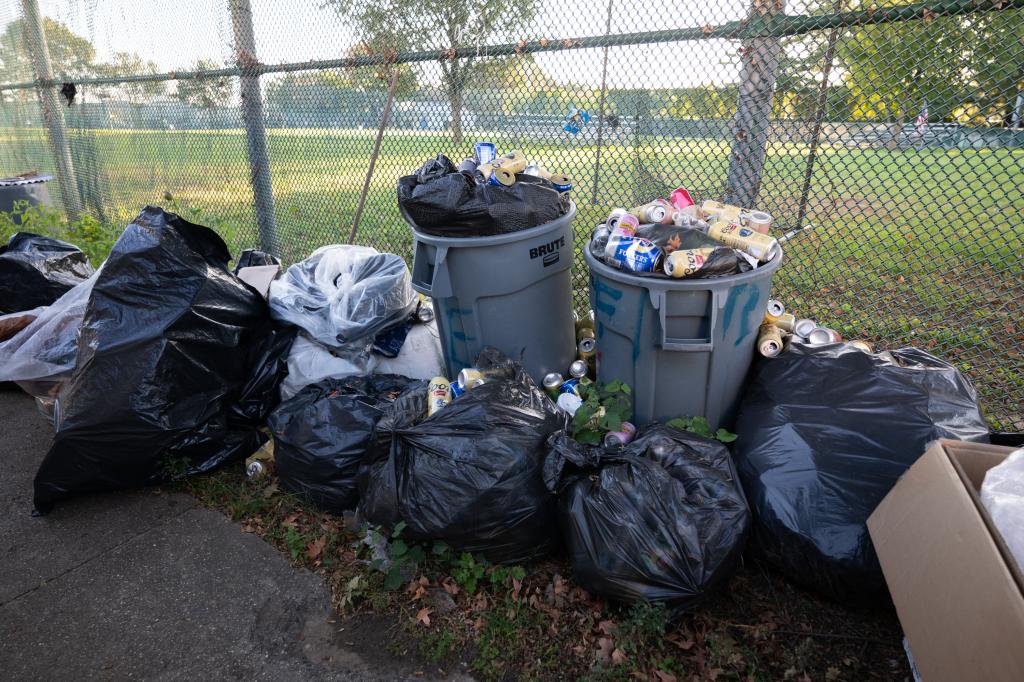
x=618, y=657
x=607, y=627
x=664, y=676
x=605, y=645
x=423, y=616
x=314, y=548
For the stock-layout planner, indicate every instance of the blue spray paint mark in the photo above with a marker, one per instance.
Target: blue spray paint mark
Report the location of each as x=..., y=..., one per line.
x=602, y=288
x=457, y=338
x=641, y=306
x=743, y=309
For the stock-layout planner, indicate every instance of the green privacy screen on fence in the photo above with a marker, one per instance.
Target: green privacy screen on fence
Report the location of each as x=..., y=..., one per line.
x=889, y=134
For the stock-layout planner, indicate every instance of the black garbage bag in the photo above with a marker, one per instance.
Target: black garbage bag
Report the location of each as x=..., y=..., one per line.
x=441, y=201
x=261, y=393
x=322, y=434
x=253, y=258
x=469, y=475
x=661, y=520
x=824, y=433
x=35, y=271
x=723, y=260
x=169, y=342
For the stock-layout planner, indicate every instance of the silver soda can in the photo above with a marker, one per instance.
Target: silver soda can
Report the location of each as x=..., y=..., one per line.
x=769, y=340
x=552, y=382
x=804, y=327
x=820, y=336
x=578, y=369
x=586, y=347
x=255, y=469
x=425, y=312
x=775, y=308
x=620, y=438
x=471, y=377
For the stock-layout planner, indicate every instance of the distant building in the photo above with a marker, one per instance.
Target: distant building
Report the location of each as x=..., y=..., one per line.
x=429, y=115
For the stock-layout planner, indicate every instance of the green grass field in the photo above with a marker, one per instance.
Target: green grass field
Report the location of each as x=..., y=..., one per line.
x=909, y=246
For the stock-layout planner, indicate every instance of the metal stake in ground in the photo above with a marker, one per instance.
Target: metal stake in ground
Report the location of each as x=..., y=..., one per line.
x=373, y=157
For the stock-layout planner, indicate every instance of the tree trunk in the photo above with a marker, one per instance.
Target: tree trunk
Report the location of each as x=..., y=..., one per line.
x=455, y=101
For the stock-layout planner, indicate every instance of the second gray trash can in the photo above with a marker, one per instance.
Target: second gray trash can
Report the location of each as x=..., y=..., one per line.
x=511, y=291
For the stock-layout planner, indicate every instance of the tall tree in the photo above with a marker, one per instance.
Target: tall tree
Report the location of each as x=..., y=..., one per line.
x=70, y=54
x=205, y=93
x=130, y=64
x=390, y=26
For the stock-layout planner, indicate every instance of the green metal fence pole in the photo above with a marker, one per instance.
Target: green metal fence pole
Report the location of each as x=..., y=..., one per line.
x=255, y=129
x=53, y=116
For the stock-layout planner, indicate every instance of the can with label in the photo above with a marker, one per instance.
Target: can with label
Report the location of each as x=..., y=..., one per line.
x=471, y=377
x=620, y=438
x=769, y=340
x=571, y=386
x=258, y=463
x=585, y=333
x=821, y=336
x=760, y=246
x=716, y=210
x=484, y=152
x=804, y=327
x=587, y=350
x=537, y=171
x=613, y=219
x=501, y=177
x=681, y=199
x=862, y=345
x=686, y=262
x=514, y=162
x=458, y=390
x=585, y=322
x=562, y=182
x=578, y=369
x=649, y=213
x=633, y=254
x=552, y=382
x=439, y=394
x=786, y=321
x=760, y=221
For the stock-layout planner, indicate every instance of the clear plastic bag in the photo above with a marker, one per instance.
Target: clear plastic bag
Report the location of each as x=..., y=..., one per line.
x=1002, y=493
x=343, y=296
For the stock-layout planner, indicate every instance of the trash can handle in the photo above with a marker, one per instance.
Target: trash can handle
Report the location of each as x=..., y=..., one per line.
x=699, y=345
x=440, y=284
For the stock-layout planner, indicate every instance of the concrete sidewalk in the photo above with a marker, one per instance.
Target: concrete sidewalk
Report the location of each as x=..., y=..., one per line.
x=146, y=585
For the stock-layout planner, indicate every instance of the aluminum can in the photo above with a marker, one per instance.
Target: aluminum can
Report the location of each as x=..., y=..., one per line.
x=585, y=322
x=471, y=377
x=613, y=219
x=862, y=345
x=500, y=177
x=769, y=340
x=570, y=386
x=578, y=369
x=760, y=221
x=686, y=262
x=775, y=308
x=425, y=312
x=514, y=162
x=468, y=166
x=820, y=336
x=255, y=469
x=804, y=327
x=587, y=348
x=552, y=382
x=585, y=333
x=760, y=246
x=458, y=390
x=620, y=438
x=649, y=213
x=634, y=254
x=716, y=210
x=484, y=152
x=681, y=199
x=786, y=321
x=439, y=394
x=569, y=402
x=562, y=182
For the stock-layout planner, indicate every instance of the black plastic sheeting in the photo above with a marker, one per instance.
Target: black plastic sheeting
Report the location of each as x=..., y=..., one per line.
x=177, y=362
x=661, y=520
x=471, y=474
x=254, y=257
x=439, y=200
x=322, y=434
x=824, y=434
x=35, y=271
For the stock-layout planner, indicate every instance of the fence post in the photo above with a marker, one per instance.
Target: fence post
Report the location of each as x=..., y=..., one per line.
x=53, y=115
x=753, y=110
x=255, y=129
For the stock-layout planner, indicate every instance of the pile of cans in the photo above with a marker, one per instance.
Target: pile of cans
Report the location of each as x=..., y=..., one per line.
x=779, y=328
x=487, y=166
x=745, y=230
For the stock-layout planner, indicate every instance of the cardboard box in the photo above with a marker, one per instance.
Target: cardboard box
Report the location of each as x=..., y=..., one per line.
x=958, y=592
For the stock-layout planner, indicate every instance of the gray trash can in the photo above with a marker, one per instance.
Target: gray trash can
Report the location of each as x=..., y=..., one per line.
x=30, y=188
x=511, y=291
x=684, y=346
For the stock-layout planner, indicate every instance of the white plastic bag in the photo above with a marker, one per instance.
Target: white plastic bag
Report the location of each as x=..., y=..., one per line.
x=1002, y=493
x=42, y=355
x=420, y=357
x=344, y=295
x=310, y=362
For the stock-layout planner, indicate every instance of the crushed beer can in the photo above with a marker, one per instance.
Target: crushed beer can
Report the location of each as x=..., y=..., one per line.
x=578, y=369
x=804, y=327
x=562, y=182
x=615, y=217
x=786, y=321
x=513, y=162
x=471, y=377
x=425, y=312
x=775, y=308
x=468, y=166
x=820, y=336
x=458, y=390
x=620, y=438
x=585, y=333
x=258, y=463
x=439, y=394
x=652, y=212
x=769, y=340
x=537, y=171
x=501, y=177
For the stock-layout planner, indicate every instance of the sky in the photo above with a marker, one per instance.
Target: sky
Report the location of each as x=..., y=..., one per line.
x=174, y=34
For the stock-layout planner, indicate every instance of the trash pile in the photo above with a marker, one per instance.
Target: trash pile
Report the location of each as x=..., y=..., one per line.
x=486, y=194
x=677, y=238
x=780, y=328
x=35, y=271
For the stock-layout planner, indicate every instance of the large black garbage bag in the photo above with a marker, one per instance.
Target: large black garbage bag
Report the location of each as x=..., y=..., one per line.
x=824, y=433
x=469, y=475
x=169, y=341
x=662, y=520
x=35, y=271
x=261, y=392
x=441, y=201
x=322, y=434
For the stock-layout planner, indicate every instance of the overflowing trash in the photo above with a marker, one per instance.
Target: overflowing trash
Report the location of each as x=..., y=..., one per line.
x=170, y=377
x=824, y=433
x=677, y=238
x=1002, y=493
x=469, y=473
x=486, y=194
x=780, y=328
x=661, y=520
x=322, y=435
x=35, y=271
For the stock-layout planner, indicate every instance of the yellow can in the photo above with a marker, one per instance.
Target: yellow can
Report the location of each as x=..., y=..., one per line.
x=686, y=262
x=786, y=321
x=761, y=246
x=769, y=340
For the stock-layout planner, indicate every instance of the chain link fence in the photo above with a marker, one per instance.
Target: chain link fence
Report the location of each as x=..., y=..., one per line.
x=886, y=139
